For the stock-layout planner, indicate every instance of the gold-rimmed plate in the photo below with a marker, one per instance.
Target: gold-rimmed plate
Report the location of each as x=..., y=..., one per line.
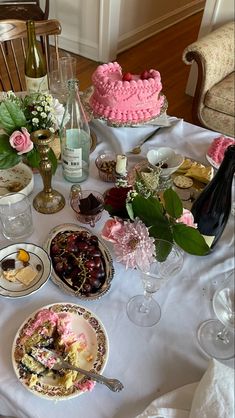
x=93, y=357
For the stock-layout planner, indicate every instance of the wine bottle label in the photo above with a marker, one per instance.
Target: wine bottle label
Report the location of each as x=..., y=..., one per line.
x=72, y=162
x=209, y=239
x=34, y=85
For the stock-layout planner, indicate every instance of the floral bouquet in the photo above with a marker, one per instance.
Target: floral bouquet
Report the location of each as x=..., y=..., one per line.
x=149, y=217
x=19, y=116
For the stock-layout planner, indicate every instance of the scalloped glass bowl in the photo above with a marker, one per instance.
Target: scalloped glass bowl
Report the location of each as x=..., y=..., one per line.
x=164, y=155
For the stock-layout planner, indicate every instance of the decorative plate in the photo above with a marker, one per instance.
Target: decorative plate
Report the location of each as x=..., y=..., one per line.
x=85, y=98
x=73, y=282
x=38, y=257
x=94, y=356
x=16, y=179
x=212, y=162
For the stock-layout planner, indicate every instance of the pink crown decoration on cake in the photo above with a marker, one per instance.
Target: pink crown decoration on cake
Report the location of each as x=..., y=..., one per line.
x=126, y=98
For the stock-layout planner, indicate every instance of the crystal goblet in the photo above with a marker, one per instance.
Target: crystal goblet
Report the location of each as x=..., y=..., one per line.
x=143, y=310
x=216, y=336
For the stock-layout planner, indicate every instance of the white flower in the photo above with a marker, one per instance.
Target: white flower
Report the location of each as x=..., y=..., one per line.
x=35, y=121
x=43, y=115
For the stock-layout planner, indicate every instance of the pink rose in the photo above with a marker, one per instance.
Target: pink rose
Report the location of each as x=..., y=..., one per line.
x=110, y=228
x=187, y=218
x=21, y=141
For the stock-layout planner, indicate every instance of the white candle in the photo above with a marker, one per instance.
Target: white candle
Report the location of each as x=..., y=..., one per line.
x=121, y=165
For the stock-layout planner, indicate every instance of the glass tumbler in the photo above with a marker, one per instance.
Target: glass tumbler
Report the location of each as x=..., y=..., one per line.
x=16, y=216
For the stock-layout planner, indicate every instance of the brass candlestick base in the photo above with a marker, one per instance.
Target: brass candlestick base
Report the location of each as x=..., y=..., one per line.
x=48, y=200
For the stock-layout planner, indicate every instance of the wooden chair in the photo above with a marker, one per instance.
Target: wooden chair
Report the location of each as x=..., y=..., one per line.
x=12, y=62
x=23, y=10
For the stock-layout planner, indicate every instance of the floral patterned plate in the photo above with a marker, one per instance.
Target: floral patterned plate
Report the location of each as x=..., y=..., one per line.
x=94, y=357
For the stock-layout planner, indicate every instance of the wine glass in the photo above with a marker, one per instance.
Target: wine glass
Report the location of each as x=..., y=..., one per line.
x=143, y=310
x=216, y=336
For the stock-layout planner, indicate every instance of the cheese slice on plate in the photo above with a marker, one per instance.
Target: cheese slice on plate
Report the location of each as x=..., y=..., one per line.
x=26, y=275
x=201, y=173
x=187, y=163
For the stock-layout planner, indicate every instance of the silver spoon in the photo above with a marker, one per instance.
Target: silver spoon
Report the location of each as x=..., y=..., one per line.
x=137, y=149
x=42, y=355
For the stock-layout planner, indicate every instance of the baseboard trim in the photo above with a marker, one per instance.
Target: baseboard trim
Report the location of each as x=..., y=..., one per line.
x=146, y=31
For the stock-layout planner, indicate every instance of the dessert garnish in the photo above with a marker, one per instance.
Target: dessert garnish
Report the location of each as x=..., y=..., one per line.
x=127, y=77
x=23, y=255
x=90, y=205
x=8, y=264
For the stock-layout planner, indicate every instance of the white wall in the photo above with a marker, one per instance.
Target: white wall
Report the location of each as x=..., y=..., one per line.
x=99, y=29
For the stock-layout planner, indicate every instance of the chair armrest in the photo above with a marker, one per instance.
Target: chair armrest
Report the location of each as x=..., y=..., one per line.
x=214, y=55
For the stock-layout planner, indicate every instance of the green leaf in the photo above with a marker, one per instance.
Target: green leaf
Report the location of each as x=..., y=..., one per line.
x=149, y=210
x=161, y=231
x=11, y=117
x=163, y=249
x=189, y=239
x=172, y=203
x=8, y=156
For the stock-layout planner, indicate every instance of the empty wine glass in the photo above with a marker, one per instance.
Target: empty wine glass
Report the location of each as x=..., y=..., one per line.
x=216, y=336
x=143, y=310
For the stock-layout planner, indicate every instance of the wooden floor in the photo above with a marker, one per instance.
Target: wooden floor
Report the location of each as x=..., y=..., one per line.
x=162, y=52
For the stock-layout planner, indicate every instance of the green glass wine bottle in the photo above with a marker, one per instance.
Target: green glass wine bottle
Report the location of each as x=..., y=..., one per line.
x=35, y=66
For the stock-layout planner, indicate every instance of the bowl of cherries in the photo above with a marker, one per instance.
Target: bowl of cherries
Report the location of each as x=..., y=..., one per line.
x=81, y=263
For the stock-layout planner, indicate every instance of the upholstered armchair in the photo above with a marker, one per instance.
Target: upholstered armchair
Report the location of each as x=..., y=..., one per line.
x=213, y=103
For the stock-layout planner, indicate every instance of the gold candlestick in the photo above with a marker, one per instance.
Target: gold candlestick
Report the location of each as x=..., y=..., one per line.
x=48, y=200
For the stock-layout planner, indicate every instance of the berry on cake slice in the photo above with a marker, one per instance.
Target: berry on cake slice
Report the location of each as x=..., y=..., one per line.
x=127, y=77
x=145, y=75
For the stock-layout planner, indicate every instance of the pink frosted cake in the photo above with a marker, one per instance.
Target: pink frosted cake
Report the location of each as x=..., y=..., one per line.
x=126, y=98
x=217, y=148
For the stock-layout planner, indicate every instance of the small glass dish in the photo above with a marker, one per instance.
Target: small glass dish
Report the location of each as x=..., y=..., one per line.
x=106, y=163
x=88, y=206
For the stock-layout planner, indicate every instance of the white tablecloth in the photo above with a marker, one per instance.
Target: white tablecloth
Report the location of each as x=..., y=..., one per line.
x=149, y=361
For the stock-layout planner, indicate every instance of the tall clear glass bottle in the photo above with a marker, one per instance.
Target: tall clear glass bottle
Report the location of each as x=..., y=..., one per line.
x=35, y=65
x=75, y=137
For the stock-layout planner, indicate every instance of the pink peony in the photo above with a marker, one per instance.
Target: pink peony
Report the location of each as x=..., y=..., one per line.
x=21, y=141
x=187, y=218
x=133, y=246
x=110, y=228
